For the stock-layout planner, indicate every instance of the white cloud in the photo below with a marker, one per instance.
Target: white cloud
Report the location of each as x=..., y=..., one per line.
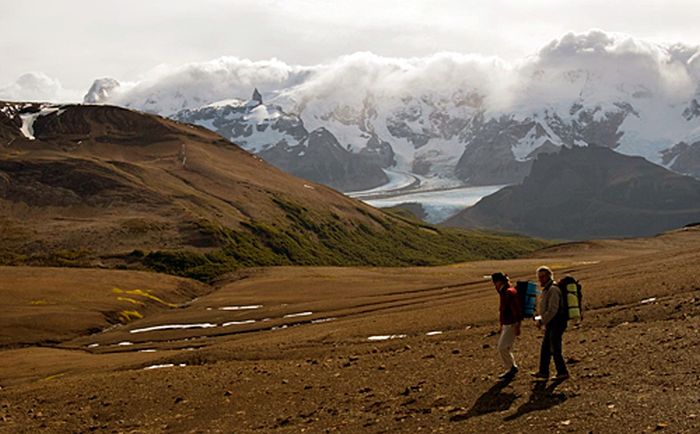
x=600, y=65
x=126, y=37
x=37, y=86
x=596, y=65
x=166, y=89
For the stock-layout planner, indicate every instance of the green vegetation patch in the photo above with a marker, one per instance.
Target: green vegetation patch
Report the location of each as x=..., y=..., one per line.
x=316, y=238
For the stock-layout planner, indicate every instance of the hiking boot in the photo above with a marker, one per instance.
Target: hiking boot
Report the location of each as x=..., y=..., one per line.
x=509, y=373
x=561, y=377
x=539, y=376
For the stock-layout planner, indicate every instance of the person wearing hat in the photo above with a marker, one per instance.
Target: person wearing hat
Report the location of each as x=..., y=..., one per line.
x=510, y=317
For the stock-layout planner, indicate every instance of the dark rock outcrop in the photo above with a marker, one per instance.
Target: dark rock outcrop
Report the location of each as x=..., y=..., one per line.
x=589, y=192
x=321, y=158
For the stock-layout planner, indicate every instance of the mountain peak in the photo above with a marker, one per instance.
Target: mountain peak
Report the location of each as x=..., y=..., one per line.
x=256, y=96
x=101, y=90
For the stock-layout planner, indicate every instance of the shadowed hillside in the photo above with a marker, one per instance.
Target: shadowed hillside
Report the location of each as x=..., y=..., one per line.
x=589, y=192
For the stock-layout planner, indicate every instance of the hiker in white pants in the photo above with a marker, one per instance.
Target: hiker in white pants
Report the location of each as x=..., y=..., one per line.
x=510, y=318
x=505, y=347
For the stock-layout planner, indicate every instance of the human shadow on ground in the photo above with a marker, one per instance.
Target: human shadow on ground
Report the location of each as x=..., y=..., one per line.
x=493, y=400
x=541, y=398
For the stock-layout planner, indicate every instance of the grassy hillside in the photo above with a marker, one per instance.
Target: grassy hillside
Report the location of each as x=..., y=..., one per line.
x=321, y=238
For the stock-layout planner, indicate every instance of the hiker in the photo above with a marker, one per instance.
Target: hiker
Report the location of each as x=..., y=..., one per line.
x=553, y=317
x=510, y=316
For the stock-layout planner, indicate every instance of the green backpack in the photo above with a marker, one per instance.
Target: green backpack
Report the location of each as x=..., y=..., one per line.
x=571, y=293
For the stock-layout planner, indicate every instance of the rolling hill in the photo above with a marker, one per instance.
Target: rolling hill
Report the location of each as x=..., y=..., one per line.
x=102, y=186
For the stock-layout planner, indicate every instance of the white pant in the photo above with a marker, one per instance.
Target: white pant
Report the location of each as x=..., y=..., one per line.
x=505, y=346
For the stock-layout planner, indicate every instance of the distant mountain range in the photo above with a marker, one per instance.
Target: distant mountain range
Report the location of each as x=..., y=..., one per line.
x=283, y=140
x=589, y=192
x=104, y=186
x=448, y=117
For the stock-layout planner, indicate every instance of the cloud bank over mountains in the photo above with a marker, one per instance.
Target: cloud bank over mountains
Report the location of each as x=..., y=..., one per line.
x=596, y=69
x=595, y=65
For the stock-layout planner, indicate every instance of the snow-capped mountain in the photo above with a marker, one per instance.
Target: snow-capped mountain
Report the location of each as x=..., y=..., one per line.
x=101, y=90
x=283, y=140
x=448, y=117
x=252, y=124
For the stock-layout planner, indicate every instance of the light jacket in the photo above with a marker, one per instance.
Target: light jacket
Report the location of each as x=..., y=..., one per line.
x=551, y=305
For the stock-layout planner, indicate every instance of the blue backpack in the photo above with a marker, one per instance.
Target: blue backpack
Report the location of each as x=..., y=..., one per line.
x=527, y=294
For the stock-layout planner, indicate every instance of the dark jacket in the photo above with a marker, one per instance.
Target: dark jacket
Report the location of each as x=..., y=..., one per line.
x=510, y=311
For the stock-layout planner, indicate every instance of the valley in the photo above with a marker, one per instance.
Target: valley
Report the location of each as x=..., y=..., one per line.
x=333, y=217
x=360, y=349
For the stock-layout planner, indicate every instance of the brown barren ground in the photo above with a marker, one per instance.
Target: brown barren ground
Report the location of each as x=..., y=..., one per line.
x=287, y=349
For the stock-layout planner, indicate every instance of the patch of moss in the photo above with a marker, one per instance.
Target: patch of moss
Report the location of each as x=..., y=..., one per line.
x=130, y=300
x=39, y=302
x=126, y=316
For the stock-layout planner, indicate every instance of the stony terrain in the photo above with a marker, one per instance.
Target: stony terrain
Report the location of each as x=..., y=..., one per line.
x=299, y=349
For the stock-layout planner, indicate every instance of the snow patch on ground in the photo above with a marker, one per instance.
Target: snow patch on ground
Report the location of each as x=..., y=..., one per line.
x=294, y=315
x=28, y=120
x=173, y=327
x=230, y=323
x=525, y=146
x=164, y=365
x=385, y=337
x=247, y=307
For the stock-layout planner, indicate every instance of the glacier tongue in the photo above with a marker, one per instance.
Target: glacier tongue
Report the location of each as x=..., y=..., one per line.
x=438, y=205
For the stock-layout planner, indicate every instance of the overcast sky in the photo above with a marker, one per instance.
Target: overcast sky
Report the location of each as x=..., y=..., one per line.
x=76, y=41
